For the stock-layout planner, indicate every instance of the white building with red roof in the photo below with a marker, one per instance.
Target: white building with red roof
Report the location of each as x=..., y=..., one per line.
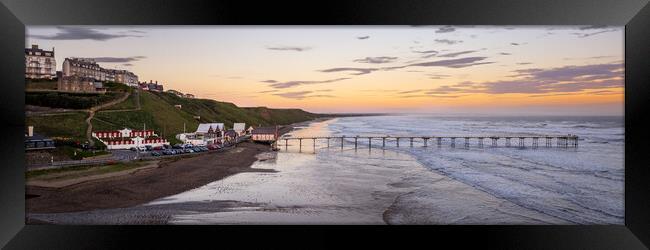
x=128, y=138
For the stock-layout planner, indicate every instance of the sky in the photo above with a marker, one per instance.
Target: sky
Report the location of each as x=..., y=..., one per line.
x=482, y=70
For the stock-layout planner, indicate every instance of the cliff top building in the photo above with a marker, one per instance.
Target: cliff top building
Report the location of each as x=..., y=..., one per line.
x=87, y=67
x=39, y=63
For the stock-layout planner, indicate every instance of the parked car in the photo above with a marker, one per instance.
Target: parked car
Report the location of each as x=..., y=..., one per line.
x=167, y=146
x=158, y=148
x=178, y=146
x=166, y=152
x=133, y=149
x=155, y=153
x=148, y=147
x=213, y=147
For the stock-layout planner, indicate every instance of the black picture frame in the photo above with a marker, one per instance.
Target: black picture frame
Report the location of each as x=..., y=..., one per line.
x=634, y=14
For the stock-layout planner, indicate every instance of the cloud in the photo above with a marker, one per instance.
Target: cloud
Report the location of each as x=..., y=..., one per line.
x=289, y=84
x=359, y=71
x=453, y=63
x=270, y=81
x=592, y=27
x=514, y=44
x=574, y=73
x=445, y=29
x=127, y=64
x=376, y=60
x=426, y=52
x=455, y=54
x=363, y=37
x=447, y=41
x=524, y=63
x=299, y=95
x=81, y=33
x=118, y=59
x=561, y=79
x=504, y=54
x=268, y=91
x=289, y=48
x=437, y=76
x=599, y=29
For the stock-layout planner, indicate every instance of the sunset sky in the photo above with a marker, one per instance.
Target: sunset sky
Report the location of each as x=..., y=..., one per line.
x=506, y=70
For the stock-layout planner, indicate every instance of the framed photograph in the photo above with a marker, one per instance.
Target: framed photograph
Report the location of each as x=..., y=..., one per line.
x=516, y=123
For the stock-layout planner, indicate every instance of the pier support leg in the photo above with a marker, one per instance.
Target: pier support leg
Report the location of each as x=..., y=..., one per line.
x=480, y=142
x=494, y=142
x=466, y=142
x=286, y=144
x=535, y=142
x=521, y=142
x=425, y=141
x=328, y=142
x=314, y=145
x=383, y=142
x=411, y=141
x=342, y=142
x=369, y=142
x=398, y=142
x=575, y=142
x=300, y=145
x=355, y=143
x=453, y=142
x=507, y=142
x=439, y=141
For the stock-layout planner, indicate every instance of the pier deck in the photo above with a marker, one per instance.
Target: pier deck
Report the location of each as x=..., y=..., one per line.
x=566, y=141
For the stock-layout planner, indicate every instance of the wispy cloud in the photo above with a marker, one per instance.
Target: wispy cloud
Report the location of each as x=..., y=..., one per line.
x=289, y=84
x=455, y=54
x=453, y=63
x=363, y=37
x=447, y=41
x=359, y=71
x=118, y=59
x=289, y=48
x=299, y=95
x=450, y=63
x=377, y=60
x=81, y=33
x=445, y=29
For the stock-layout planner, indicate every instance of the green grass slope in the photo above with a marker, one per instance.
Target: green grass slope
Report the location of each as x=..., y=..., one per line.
x=158, y=113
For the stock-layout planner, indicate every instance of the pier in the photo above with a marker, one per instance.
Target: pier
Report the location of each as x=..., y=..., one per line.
x=520, y=142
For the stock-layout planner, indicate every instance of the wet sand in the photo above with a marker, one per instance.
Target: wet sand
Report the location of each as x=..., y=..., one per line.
x=169, y=178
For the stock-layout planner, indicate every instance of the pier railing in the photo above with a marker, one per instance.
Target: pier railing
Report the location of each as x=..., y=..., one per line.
x=566, y=141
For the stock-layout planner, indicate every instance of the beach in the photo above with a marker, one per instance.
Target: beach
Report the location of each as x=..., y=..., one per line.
x=406, y=185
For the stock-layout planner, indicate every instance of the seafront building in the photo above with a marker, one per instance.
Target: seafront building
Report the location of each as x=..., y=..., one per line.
x=129, y=138
x=240, y=128
x=39, y=63
x=264, y=134
x=205, y=134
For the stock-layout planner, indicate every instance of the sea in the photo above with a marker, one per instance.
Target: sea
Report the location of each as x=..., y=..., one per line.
x=317, y=183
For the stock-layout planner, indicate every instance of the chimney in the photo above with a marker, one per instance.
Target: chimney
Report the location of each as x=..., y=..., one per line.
x=150, y=81
x=30, y=131
x=156, y=82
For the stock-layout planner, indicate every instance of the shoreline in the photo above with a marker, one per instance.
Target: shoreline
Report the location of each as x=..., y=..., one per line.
x=170, y=177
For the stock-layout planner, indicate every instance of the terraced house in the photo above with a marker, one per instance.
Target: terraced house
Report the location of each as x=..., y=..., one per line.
x=39, y=63
x=88, y=67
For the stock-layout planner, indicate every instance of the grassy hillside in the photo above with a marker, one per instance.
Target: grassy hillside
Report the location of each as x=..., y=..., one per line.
x=158, y=113
x=68, y=125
